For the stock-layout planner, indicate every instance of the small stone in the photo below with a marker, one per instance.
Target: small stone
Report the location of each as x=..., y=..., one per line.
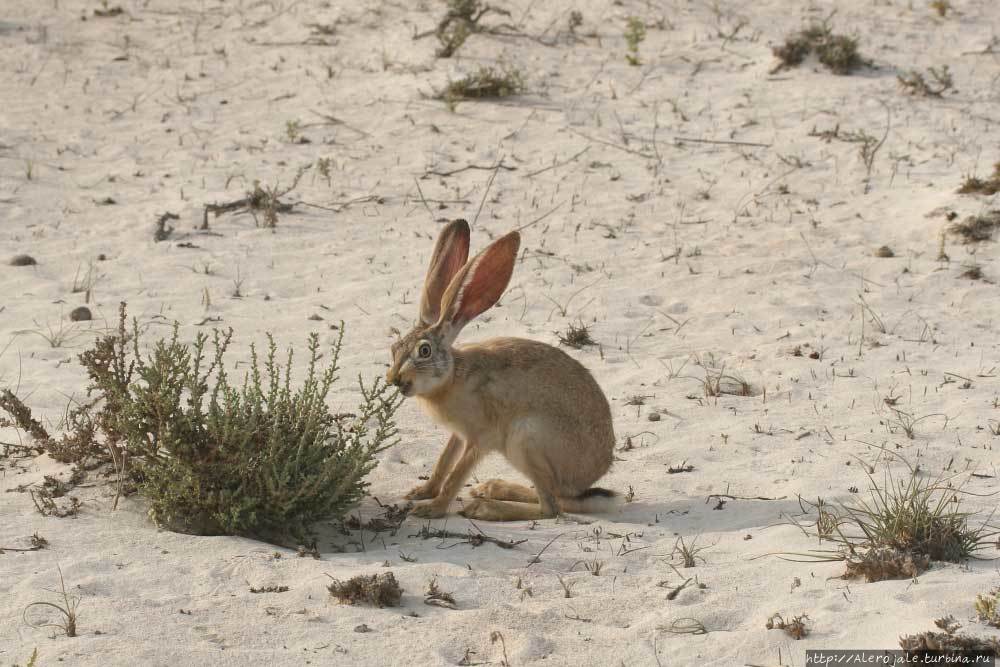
x=653, y=416
x=23, y=260
x=81, y=314
x=362, y=628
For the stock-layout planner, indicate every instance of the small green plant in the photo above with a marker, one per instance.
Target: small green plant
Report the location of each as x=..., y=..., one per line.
x=988, y=607
x=66, y=608
x=916, y=84
x=293, y=130
x=488, y=82
x=635, y=33
x=323, y=167
x=32, y=659
x=941, y=7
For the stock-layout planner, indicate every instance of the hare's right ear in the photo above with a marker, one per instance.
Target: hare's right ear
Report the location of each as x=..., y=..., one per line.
x=479, y=285
x=450, y=255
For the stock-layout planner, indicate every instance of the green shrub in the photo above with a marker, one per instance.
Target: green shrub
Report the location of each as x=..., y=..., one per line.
x=262, y=459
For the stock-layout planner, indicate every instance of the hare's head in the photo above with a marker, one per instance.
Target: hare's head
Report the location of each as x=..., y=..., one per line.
x=456, y=290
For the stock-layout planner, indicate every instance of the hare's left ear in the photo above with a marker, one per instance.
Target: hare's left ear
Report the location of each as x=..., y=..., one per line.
x=450, y=254
x=479, y=285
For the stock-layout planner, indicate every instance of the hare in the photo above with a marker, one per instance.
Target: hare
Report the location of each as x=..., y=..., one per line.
x=531, y=402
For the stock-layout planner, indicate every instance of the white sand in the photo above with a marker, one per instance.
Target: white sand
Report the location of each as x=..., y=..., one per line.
x=177, y=104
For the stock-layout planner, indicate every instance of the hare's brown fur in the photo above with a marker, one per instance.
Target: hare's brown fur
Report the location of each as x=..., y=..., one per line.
x=531, y=402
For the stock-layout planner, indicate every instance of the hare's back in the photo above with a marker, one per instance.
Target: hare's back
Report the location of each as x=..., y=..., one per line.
x=522, y=376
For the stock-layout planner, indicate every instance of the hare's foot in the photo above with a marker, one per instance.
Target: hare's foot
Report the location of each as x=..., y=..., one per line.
x=421, y=492
x=498, y=489
x=486, y=509
x=430, y=509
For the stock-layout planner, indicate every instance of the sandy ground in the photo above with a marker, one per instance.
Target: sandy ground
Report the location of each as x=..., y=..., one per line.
x=748, y=253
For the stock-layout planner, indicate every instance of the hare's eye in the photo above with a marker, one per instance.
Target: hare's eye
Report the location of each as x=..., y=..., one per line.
x=424, y=351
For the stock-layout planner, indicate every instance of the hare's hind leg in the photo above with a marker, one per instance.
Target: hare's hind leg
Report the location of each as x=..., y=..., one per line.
x=498, y=489
x=487, y=509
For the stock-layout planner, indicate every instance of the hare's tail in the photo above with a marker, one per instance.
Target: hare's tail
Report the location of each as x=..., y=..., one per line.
x=594, y=500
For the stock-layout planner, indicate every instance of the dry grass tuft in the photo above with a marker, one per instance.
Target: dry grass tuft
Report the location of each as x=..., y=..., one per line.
x=982, y=186
x=884, y=252
x=977, y=228
x=795, y=628
x=988, y=607
x=947, y=643
x=67, y=610
x=838, y=52
x=904, y=526
x=380, y=590
x=488, y=82
x=576, y=336
x=886, y=563
x=916, y=84
x=438, y=598
x=972, y=272
x=688, y=552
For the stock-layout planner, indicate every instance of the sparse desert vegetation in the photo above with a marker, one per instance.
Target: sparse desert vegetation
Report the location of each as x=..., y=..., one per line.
x=768, y=230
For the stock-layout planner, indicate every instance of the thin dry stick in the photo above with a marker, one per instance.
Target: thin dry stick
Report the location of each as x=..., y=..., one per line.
x=542, y=217
x=614, y=145
x=817, y=261
x=722, y=142
x=538, y=558
x=121, y=473
x=471, y=166
x=556, y=165
x=423, y=200
x=489, y=184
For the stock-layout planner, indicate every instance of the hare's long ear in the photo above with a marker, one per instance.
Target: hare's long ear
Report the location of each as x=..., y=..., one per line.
x=479, y=285
x=450, y=255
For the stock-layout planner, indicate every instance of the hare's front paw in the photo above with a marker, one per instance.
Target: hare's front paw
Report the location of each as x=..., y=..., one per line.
x=430, y=509
x=421, y=492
